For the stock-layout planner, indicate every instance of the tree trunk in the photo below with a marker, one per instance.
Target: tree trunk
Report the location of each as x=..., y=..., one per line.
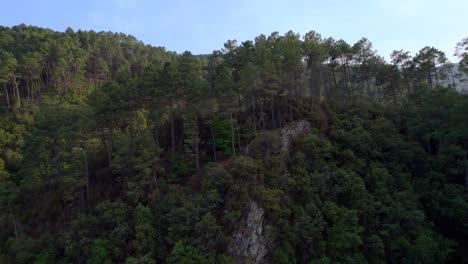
x=39, y=91
x=393, y=87
x=86, y=168
x=82, y=201
x=428, y=139
x=368, y=87
x=172, y=130
x=31, y=100
x=291, y=109
x=345, y=77
x=335, y=84
x=109, y=148
x=273, y=112
x=197, y=155
x=317, y=82
x=453, y=79
x=233, y=137
x=17, y=90
x=156, y=134
x=429, y=78
x=312, y=82
x=254, y=115
x=213, y=140
x=278, y=102
x=28, y=90
x=155, y=179
x=435, y=72
x=262, y=117
x=7, y=95
x=13, y=220
x=466, y=163
x=325, y=84
x=238, y=134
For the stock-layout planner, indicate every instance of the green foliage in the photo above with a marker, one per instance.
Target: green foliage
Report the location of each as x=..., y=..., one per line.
x=180, y=168
x=44, y=258
x=112, y=151
x=280, y=257
x=144, y=231
x=284, y=254
x=24, y=249
x=222, y=132
x=343, y=232
x=185, y=254
x=99, y=253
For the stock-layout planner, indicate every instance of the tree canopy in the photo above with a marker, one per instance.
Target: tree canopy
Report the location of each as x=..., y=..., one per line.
x=113, y=151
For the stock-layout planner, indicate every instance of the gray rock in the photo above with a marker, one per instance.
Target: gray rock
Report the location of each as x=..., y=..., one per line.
x=250, y=242
x=293, y=130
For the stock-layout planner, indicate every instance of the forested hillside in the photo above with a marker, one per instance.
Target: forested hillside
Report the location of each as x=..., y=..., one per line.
x=283, y=149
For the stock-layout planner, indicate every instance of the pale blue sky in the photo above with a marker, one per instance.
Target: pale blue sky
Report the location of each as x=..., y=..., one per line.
x=203, y=26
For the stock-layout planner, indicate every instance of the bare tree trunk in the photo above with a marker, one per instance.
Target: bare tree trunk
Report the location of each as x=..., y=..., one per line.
x=31, y=100
x=17, y=90
x=181, y=138
x=238, y=134
x=428, y=138
x=453, y=79
x=273, y=112
x=197, y=155
x=82, y=201
x=7, y=95
x=400, y=91
x=86, y=168
x=262, y=117
x=254, y=116
x=13, y=220
x=435, y=72
x=232, y=137
x=109, y=148
x=429, y=78
x=28, y=87
x=278, y=102
x=156, y=134
x=172, y=130
x=393, y=87
x=155, y=179
x=291, y=109
x=39, y=88
x=345, y=77
x=317, y=82
x=368, y=87
x=466, y=163
x=325, y=85
x=213, y=140
x=312, y=82
x=335, y=84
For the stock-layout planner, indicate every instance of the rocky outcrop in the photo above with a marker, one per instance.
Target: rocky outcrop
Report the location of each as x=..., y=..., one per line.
x=293, y=130
x=251, y=241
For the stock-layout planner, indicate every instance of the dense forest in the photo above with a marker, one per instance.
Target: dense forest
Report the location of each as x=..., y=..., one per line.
x=284, y=149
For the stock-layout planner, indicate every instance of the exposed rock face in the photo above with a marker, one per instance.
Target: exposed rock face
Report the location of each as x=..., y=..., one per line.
x=250, y=242
x=293, y=130
x=454, y=77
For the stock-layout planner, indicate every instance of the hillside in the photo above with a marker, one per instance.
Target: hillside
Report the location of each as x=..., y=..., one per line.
x=285, y=149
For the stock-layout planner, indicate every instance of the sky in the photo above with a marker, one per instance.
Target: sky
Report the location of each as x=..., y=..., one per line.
x=205, y=25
